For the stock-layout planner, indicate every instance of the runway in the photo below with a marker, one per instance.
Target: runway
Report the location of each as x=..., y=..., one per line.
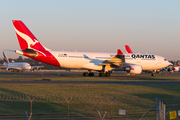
x=47, y=75
x=92, y=82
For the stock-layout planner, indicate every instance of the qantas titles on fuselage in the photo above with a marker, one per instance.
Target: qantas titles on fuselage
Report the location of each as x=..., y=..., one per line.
x=143, y=56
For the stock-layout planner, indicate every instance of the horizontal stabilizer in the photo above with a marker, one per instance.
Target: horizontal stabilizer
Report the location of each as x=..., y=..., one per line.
x=9, y=50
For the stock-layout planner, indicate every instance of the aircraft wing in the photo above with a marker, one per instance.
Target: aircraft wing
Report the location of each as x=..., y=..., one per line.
x=3, y=66
x=14, y=68
x=115, y=62
x=118, y=60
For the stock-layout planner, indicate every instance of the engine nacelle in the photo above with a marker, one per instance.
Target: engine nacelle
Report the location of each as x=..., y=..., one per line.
x=176, y=69
x=169, y=69
x=135, y=69
x=38, y=68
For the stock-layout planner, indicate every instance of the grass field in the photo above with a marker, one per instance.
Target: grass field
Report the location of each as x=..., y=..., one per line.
x=87, y=99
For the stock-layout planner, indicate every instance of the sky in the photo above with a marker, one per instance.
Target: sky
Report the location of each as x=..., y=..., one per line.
x=95, y=25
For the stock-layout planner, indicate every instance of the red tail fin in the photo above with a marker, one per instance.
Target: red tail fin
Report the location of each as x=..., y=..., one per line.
x=119, y=52
x=31, y=47
x=26, y=39
x=128, y=49
x=5, y=58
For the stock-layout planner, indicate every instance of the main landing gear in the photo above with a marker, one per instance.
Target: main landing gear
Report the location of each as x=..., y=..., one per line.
x=88, y=74
x=153, y=73
x=107, y=74
x=101, y=74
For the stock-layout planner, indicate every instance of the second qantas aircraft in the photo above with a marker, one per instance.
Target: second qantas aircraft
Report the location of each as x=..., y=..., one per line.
x=104, y=63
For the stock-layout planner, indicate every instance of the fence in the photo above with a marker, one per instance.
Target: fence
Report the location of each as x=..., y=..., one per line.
x=82, y=107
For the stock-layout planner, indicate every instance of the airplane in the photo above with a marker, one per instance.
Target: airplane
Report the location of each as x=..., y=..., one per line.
x=104, y=63
x=128, y=50
x=176, y=68
x=173, y=68
x=18, y=66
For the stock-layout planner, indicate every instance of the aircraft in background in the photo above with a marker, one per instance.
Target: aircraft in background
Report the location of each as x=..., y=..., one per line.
x=18, y=66
x=104, y=63
x=171, y=70
x=176, y=68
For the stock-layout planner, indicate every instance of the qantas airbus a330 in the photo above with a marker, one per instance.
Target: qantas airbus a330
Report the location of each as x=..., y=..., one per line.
x=104, y=63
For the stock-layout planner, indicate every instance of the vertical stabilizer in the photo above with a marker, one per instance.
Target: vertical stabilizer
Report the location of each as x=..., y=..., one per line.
x=5, y=58
x=31, y=47
x=25, y=37
x=128, y=49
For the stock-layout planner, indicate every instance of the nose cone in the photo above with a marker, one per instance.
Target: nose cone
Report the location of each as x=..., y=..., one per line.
x=29, y=67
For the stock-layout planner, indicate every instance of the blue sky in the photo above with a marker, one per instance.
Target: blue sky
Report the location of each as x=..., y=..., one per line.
x=101, y=25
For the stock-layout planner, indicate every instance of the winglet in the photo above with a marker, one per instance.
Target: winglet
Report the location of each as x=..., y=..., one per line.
x=119, y=52
x=128, y=49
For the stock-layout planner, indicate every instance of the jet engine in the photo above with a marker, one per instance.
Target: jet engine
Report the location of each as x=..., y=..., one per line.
x=38, y=68
x=135, y=69
x=176, y=69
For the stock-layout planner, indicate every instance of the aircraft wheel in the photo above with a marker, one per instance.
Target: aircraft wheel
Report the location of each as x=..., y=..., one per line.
x=108, y=74
x=86, y=74
x=153, y=74
x=91, y=74
x=101, y=75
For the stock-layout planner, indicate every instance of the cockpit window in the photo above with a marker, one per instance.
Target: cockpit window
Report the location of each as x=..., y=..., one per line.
x=165, y=59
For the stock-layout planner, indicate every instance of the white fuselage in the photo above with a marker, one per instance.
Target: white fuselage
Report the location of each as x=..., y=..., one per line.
x=71, y=59
x=22, y=66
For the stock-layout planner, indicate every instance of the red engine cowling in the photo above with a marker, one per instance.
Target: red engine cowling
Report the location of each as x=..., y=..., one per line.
x=135, y=69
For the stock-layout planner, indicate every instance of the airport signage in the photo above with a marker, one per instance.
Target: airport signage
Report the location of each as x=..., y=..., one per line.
x=122, y=112
x=178, y=112
x=172, y=115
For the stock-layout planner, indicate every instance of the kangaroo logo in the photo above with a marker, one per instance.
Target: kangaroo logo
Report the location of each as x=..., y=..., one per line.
x=31, y=43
